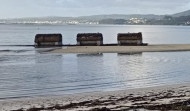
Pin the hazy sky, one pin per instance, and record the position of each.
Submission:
(35, 8)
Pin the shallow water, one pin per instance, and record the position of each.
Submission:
(26, 72)
(24, 34)
(55, 74)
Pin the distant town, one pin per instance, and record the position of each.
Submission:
(182, 18)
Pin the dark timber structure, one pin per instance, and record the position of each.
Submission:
(130, 39)
(89, 39)
(48, 40)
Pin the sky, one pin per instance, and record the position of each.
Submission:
(74, 8)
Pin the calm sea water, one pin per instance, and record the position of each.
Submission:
(25, 72)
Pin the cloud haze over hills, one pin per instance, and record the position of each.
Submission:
(39, 8)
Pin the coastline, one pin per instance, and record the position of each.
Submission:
(171, 97)
(122, 49)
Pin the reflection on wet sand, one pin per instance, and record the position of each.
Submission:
(90, 55)
(132, 53)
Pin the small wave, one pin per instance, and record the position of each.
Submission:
(5, 50)
(14, 51)
(3, 59)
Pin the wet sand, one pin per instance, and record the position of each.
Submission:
(173, 97)
(123, 49)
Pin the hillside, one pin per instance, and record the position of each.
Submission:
(182, 18)
(185, 13)
(121, 16)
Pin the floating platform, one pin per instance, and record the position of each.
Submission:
(42, 40)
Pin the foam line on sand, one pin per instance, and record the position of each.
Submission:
(171, 97)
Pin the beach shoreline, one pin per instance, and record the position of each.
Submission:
(170, 97)
(122, 49)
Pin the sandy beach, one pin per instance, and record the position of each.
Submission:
(161, 98)
(123, 49)
(171, 97)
